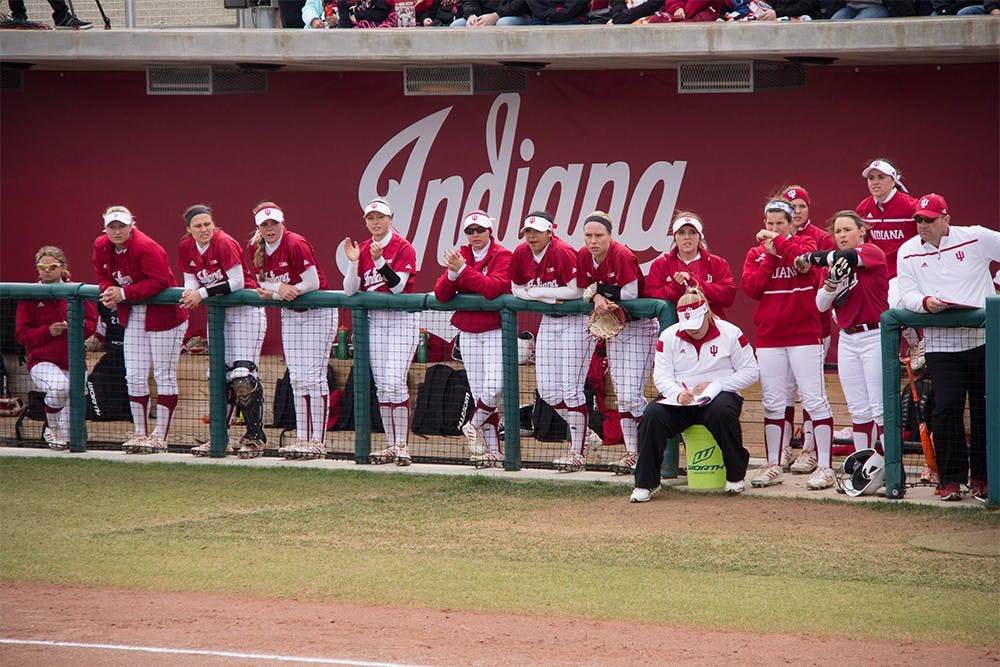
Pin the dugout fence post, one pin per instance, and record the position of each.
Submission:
(993, 398)
(511, 390)
(362, 407)
(77, 373)
(218, 405)
(895, 476)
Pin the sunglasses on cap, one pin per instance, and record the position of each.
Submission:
(49, 267)
(475, 230)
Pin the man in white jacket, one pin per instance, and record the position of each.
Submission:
(701, 365)
(947, 267)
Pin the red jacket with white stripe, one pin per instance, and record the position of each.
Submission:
(489, 277)
(889, 224)
(33, 319)
(786, 314)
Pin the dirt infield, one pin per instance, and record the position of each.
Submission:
(277, 630)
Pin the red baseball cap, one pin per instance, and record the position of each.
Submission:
(931, 206)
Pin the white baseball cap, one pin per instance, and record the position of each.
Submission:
(690, 316)
(118, 216)
(477, 218)
(538, 223)
(268, 213)
(687, 220)
(380, 205)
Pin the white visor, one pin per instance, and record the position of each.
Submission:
(887, 169)
(117, 216)
(268, 213)
(691, 316)
(379, 206)
(477, 218)
(538, 223)
(687, 220)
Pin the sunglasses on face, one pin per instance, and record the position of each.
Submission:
(475, 230)
(49, 267)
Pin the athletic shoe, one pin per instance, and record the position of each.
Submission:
(928, 476)
(786, 458)
(805, 463)
(70, 22)
(54, 439)
(294, 450)
(768, 475)
(572, 462)
(643, 495)
(152, 445)
(979, 489)
(387, 455)
(477, 446)
(625, 465)
(131, 446)
(951, 492)
(593, 440)
(822, 478)
(403, 456)
(21, 23)
(250, 449)
(735, 488)
(487, 460)
(314, 449)
(204, 449)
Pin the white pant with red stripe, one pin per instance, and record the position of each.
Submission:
(54, 381)
(159, 350)
(307, 338)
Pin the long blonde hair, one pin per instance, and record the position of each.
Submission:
(258, 240)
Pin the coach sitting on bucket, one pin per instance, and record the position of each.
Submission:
(701, 365)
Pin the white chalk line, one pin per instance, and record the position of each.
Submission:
(218, 654)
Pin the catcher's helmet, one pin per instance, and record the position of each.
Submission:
(863, 473)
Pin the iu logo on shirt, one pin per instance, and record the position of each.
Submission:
(713, 350)
(960, 255)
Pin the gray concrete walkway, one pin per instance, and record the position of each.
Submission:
(794, 486)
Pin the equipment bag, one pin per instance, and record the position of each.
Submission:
(444, 402)
(546, 424)
(107, 393)
(284, 403)
(346, 420)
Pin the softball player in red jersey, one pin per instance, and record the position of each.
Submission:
(687, 263)
(543, 268)
(481, 267)
(130, 266)
(609, 272)
(788, 337)
(799, 199)
(287, 268)
(888, 214)
(211, 262)
(387, 263)
(857, 289)
(41, 328)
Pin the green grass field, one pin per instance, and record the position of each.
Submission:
(748, 563)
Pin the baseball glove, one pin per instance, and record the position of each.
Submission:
(608, 325)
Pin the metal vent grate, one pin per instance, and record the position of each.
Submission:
(462, 80)
(204, 80)
(11, 79)
(738, 76)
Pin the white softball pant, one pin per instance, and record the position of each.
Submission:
(859, 360)
(563, 348)
(630, 360)
(160, 350)
(307, 338)
(392, 342)
(54, 381)
(244, 332)
(806, 364)
(483, 359)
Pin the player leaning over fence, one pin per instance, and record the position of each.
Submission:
(387, 263)
(287, 268)
(480, 267)
(609, 272)
(945, 267)
(41, 329)
(211, 263)
(132, 267)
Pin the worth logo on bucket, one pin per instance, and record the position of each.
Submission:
(703, 455)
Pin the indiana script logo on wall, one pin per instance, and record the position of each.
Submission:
(642, 197)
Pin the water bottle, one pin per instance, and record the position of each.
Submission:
(422, 347)
(342, 342)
